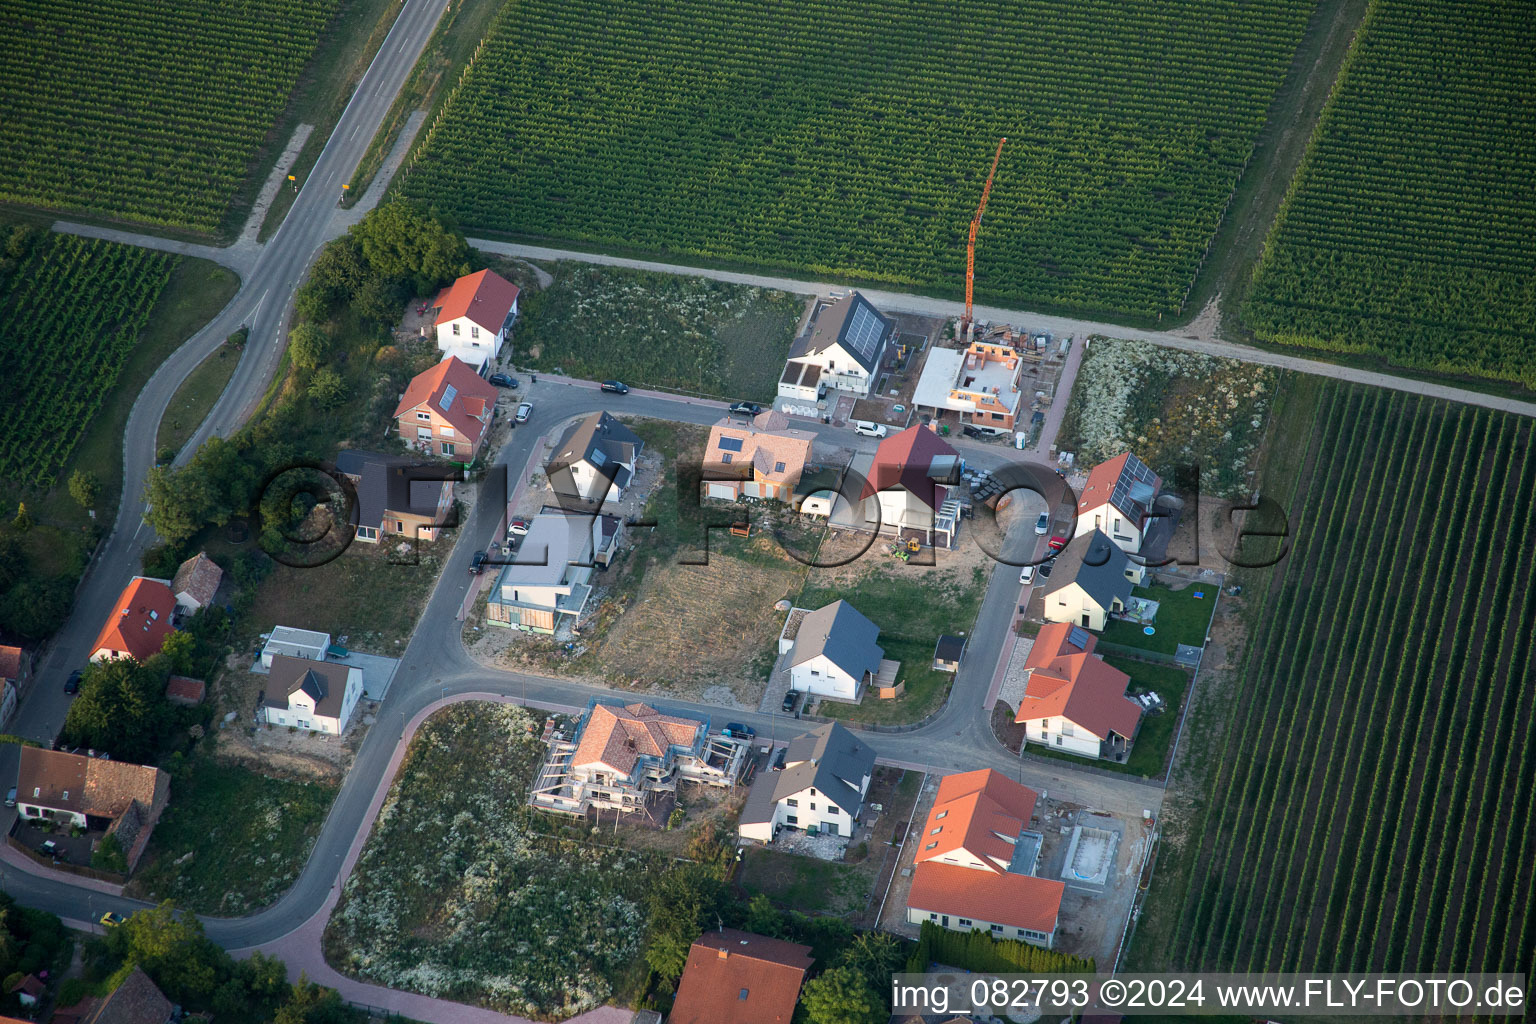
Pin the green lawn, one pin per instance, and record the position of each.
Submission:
(808, 884)
(231, 840)
(1182, 618)
(1151, 748)
(194, 399)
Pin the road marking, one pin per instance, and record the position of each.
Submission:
(255, 312)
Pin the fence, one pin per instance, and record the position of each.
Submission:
(56, 865)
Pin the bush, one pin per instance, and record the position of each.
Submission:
(109, 856)
(978, 951)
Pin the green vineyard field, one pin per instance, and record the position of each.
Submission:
(69, 317)
(144, 110)
(852, 138)
(1371, 807)
(1408, 232)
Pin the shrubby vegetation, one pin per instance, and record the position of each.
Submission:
(978, 951)
(141, 109)
(1407, 232)
(852, 138)
(30, 941)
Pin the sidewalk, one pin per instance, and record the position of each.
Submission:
(1063, 395)
(21, 862)
(302, 950)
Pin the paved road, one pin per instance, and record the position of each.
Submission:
(262, 302)
(902, 302)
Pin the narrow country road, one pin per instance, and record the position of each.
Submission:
(902, 302)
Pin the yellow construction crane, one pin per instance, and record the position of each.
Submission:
(970, 248)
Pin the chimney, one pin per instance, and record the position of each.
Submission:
(725, 954)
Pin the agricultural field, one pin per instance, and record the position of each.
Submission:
(461, 894)
(771, 134)
(71, 311)
(145, 111)
(1407, 234)
(1367, 806)
(1171, 408)
(649, 329)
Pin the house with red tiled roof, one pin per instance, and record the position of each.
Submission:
(123, 799)
(1117, 500)
(139, 623)
(136, 1001)
(28, 990)
(735, 977)
(976, 861)
(446, 411)
(912, 489)
(195, 582)
(473, 316)
(623, 757)
(1073, 701)
(761, 458)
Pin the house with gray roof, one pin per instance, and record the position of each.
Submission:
(821, 787)
(842, 350)
(834, 653)
(1093, 577)
(396, 496)
(594, 462)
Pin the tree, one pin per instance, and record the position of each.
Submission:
(379, 302)
(109, 856)
(326, 388)
(121, 708)
(311, 1004)
(405, 242)
(173, 950)
(179, 500)
(33, 609)
(682, 902)
(309, 346)
(842, 996)
(875, 955)
(23, 520)
(763, 918)
(84, 488)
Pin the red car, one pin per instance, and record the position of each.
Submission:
(1057, 543)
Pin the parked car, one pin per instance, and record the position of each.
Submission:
(10, 797)
(72, 684)
(970, 431)
(616, 387)
(1057, 543)
(1043, 524)
(869, 429)
(518, 527)
(1027, 575)
(776, 762)
(111, 920)
(524, 411)
(739, 731)
(477, 563)
(791, 700)
(747, 408)
(501, 380)
(1045, 568)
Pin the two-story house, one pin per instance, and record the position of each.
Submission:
(1093, 579)
(1073, 700)
(842, 351)
(447, 411)
(761, 458)
(15, 670)
(544, 584)
(1117, 500)
(139, 623)
(832, 651)
(912, 490)
(980, 382)
(473, 317)
(976, 861)
(594, 462)
(821, 788)
(315, 695)
(395, 496)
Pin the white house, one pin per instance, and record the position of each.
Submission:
(594, 462)
(834, 652)
(976, 860)
(195, 583)
(1073, 700)
(822, 786)
(311, 695)
(474, 316)
(1093, 578)
(1118, 501)
(294, 643)
(842, 351)
(913, 489)
(544, 585)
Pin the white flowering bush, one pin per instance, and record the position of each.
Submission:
(460, 894)
(1170, 408)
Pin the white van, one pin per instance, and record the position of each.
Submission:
(869, 429)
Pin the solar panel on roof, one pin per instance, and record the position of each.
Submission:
(598, 458)
(730, 444)
(1077, 636)
(865, 330)
(449, 394)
